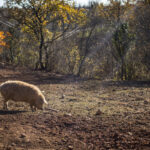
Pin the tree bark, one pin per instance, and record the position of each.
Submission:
(39, 64)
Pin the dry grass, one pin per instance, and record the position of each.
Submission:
(77, 99)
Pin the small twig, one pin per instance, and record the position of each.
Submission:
(52, 109)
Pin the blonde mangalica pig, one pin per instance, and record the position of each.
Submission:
(23, 92)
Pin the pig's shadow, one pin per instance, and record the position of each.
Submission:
(7, 112)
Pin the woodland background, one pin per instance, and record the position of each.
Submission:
(95, 41)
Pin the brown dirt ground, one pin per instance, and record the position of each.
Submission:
(92, 115)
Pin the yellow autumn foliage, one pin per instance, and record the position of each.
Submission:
(46, 12)
(2, 37)
(2, 42)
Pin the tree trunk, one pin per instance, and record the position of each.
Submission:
(39, 64)
(11, 55)
(46, 57)
(80, 67)
(86, 48)
(122, 68)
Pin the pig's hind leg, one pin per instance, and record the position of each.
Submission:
(5, 106)
(33, 108)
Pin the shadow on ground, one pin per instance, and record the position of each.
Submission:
(42, 77)
(136, 84)
(8, 112)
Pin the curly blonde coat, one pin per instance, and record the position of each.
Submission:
(23, 92)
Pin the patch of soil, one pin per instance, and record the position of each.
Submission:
(49, 130)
